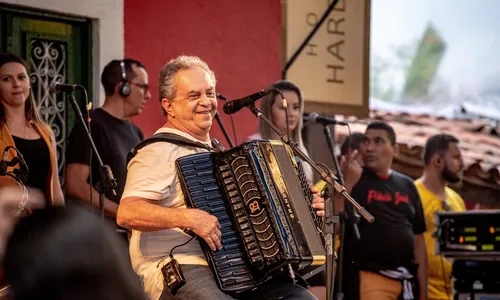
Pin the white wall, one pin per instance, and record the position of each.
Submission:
(107, 35)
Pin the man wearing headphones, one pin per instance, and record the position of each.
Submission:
(125, 83)
(443, 164)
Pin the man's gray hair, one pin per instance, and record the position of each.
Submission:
(166, 82)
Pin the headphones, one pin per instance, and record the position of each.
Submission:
(125, 89)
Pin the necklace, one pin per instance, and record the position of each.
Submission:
(25, 135)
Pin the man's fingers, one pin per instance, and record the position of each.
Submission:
(342, 160)
(216, 241)
(210, 243)
(218, 233)
(353, 155)
(318, 200)
(314, 190)
(319, 205)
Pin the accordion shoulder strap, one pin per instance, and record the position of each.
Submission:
(173, 139)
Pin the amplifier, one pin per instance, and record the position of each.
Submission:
(470, 233)
(476, 279)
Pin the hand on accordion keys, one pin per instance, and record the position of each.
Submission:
(318, 202)
(205, 226)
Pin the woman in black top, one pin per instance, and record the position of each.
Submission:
(21, 127)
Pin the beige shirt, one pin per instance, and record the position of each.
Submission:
(152, 175)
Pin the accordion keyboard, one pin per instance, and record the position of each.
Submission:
(230, 265)
(262, 200)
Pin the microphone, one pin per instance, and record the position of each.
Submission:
(234, 106)
(314, 117)
(56, 87)
(221, 97)
(4, 162)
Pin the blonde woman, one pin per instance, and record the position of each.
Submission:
(272, 108)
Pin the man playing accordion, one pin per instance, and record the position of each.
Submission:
(153, 204)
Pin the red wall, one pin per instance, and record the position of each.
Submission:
(240, 40)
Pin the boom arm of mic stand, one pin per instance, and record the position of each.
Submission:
(108, 182)
(330, 179)
(221, 125)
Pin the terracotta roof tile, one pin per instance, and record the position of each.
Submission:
(480, 148)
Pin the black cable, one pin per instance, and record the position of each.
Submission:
(340, 262)
(437, 235)
(444, 278)
(285, 107)
(326, 193)
(334, 237)
(234, 130)
(446, 207)
(349, 145)
(171, 253)
(223, 98)
(87, 108)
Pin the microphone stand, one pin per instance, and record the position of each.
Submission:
(107, 182)
(346, 216)
(221, 125)
(329, 213)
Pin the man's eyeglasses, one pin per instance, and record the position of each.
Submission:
(143, 86)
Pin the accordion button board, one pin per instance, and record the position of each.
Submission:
(262, 200)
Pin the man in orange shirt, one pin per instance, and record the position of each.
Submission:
(443, 164)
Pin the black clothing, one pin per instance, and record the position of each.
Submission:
(113, 139)
(37, 157)
(390, 240)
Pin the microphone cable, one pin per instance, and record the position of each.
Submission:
(223, 98)
(88, 107)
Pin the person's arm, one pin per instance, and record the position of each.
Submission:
(351, 170)
(139, 214)
(56, 184)
(151, 180)
(78, 169)
(78, 188)
(423, 267)
(11, 196)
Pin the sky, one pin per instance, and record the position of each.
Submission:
(471, 30)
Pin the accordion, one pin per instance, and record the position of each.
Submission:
(260, 195)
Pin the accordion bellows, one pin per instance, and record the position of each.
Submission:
(260, 195)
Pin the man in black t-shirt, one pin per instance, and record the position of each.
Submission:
(125, 83)
(390, 259)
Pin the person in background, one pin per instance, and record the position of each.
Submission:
(350, 144)
(10, 196)
(126, 86)
(68, 253)
(272, 108)
(443, 164)
(390, 258)
(21, 127)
